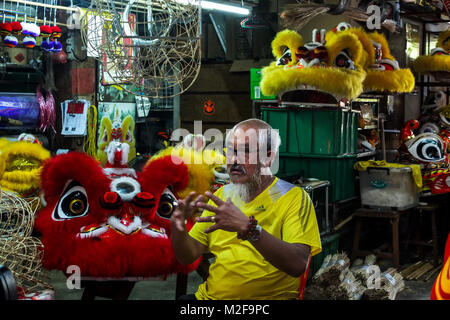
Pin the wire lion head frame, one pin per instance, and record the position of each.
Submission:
(152, 45)
(19, 251)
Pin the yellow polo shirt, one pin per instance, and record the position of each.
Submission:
(239, 271)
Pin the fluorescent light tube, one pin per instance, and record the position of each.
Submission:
(211, 5)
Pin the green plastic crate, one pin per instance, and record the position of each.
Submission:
(314, 131)
(330, 245)
(338, 170)
(255, 88)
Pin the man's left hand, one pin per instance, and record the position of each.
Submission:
(227, 216)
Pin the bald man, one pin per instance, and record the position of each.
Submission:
(262, 230)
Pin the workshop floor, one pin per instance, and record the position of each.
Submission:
(143, 290)
(165, 290)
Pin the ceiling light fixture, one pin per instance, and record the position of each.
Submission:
(219, 6)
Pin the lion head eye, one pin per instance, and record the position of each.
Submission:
(428, 149)
(167, 204)
(286, 58)
(73, 203)
(343, 60)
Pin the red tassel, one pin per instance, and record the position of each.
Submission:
(16, 27)
(5, 28)
(46, 31)
(56, 32)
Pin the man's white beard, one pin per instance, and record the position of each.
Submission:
(244, 190)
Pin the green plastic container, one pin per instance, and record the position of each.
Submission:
(338, 170)
(314, 131)
(330, 245)
(255, 88)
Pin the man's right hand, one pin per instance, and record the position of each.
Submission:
(185, 209)
(186, 249)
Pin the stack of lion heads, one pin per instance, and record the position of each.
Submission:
(339, 64)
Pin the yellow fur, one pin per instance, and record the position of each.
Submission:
(105, 137)
(21, 181)
(346, 83)
(331, 79)
(200, 166)
(128, 126)
(381, 39)
(346, 41)
(427, 64)
(105, 129)
(3, 143)
(368, 55)
(393, 81)
(286, 38)
(442, 40)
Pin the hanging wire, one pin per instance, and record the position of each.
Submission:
(45, 17)
(4, 11)
(36, 14)
(54, 14)
(17, 11)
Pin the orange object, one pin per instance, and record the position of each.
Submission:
(441, 286)
(303, 279)
(209, 108)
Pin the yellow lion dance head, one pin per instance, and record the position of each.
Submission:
(383, 73)
(20, 166)
(326, 73)
(117, 130)
(206, 167)
(437, 63)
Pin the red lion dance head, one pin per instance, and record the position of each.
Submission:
(110, 222)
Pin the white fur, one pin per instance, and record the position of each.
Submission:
(115, 223)
(128, 180)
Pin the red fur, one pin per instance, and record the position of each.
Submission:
(5, 28)
(16, 26)
(167, 171)
(45, 31)
(56, 31)
(111, 254)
